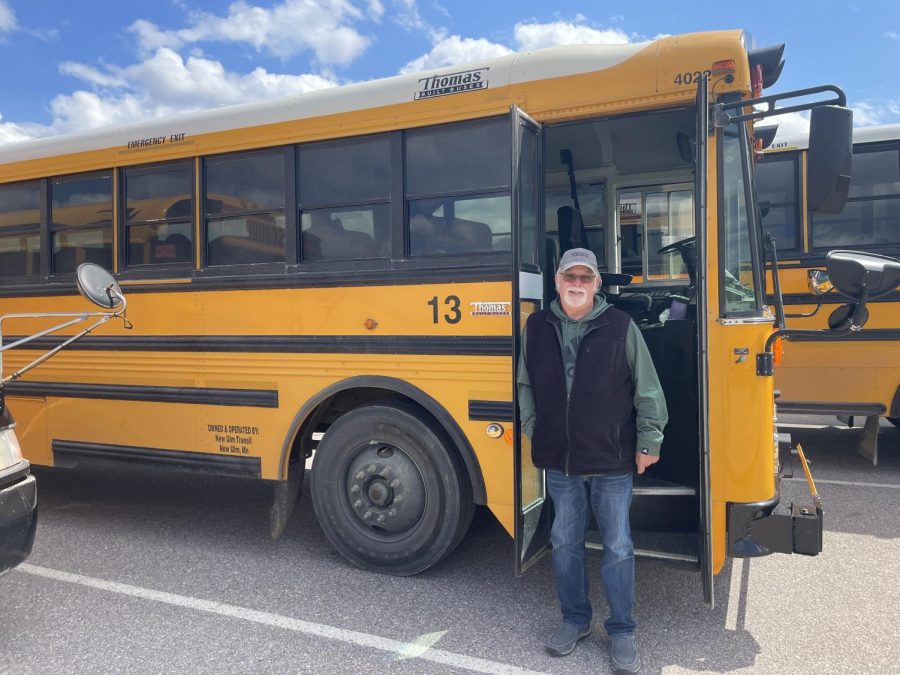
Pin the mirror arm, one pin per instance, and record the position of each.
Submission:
(808, 314)
(776, 282)
(722, 119)
(38, 361)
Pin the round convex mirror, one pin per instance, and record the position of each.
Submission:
(95, 283)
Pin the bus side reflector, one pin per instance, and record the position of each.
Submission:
(778, 351)
(508, 436)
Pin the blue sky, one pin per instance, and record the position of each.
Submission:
(69, 66)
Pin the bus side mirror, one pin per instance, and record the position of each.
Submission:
(818, 282)
(98, 286)
(862, 276)
(830, 158)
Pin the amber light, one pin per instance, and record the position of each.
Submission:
(777, 351)
(722, 67)
(508, 436)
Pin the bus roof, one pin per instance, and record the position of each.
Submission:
(662, 60)
(874, 134)
(505, 70)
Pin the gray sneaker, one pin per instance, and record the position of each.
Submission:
(566, 638)
(623, 655)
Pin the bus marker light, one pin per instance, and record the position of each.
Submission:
(778, 351)
(508, 436)
(494, 430)
(722, 67)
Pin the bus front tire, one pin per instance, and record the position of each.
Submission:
(388, 492)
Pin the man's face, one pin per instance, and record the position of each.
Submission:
(576, 287)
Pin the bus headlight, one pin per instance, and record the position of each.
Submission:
(10, 452)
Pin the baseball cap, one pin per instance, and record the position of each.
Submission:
(578, 256)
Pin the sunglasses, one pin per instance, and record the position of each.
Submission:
(585, 279)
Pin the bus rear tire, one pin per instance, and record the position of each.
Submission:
(388, 493)
(895, 421)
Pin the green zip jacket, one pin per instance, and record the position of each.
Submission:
(649, 402)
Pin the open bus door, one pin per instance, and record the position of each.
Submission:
(532, 534)
(701, 174)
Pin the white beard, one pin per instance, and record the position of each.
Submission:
(576, 299)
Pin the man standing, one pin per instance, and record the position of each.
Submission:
(591, 402)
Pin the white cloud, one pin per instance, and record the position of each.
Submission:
(284, 30)
(866, 114)
(162, 85)
(376, 10)
(8, 21)
(10, 132)
(408, 16)
(537, 35)
(453, 50)
(892, 35)
(89, 74)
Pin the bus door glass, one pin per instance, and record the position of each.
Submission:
(531, 505)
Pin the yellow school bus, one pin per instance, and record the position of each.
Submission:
(861, 378)
(339, 279)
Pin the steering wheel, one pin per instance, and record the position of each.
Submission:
(678, 246)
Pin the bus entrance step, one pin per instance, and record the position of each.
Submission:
(677, 546)
(654, 486)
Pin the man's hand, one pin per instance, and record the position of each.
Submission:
(643, 461)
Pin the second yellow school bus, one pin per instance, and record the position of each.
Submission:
(861, 378)
(342, 276)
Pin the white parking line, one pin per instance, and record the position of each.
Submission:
(420, 649)
(851, 483)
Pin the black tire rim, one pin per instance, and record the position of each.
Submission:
(383, 490)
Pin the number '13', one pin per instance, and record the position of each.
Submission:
(453, 314)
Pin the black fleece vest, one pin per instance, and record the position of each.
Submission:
(591, 431)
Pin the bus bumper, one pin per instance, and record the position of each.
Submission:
(18, 521)
(768, 527)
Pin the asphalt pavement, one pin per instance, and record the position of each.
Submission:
(137, 571)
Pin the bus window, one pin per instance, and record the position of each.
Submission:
(81, 221)
(159, 221)
(463, 172)
(739, 288)
(592, 200)
(345, 190)
(670, 218)
(777, 182)
(245, 201)
(873, 206)
(20, 229)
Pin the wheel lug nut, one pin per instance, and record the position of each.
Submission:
(354, 489)
(380, 519)
(395, 483)
(398, 499)
(371, 468)
(357, 504)
(392, 513)
(367, 515)
(359, 475)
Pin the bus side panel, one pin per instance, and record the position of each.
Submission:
(31, 428)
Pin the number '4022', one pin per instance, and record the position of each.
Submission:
(690, 77)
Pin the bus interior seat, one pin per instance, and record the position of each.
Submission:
(16, 263)
(636, 305)
(174, 248)
(468, 236)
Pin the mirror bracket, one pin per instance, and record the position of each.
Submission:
(722, 118)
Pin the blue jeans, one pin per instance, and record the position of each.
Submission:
(610, 498)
